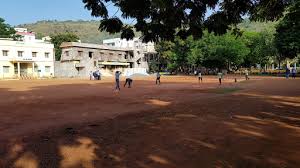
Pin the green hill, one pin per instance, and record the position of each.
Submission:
(247, 25)
(89, 33)
(86, 30)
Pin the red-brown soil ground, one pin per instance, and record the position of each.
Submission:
(180, 124)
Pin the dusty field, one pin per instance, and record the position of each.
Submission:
(179, 124)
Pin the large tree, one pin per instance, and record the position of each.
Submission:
(58, 39)
(224, 51)
(165, 19)
(287, 37)
(6, 31)
(262, 48)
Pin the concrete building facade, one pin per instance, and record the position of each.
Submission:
(143, 52)
(26, 58)
(79, 59)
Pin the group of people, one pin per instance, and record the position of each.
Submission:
(288, 72)
(95, 75)
(220, 76)
(129, 80)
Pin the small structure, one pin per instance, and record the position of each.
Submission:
(27, 57)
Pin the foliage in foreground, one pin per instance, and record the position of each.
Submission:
(166, 19)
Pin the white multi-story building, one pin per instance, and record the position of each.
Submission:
(143, 52)
(28, 57)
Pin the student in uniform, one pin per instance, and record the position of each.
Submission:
(294, 71)
(247, 74)
(91, 75)
(129, 81)
(220, 76)
(117, 78)
(200, 77)
(158, 78)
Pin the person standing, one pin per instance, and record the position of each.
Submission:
(294, 72)
(158, 78)
(117, 78)
(98, 75)
(220, 76)
(199, 77)
(91, 75)
(247, 74)
(287, 73)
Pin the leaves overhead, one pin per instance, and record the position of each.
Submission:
(165, 19)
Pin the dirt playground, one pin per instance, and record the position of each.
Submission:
(181, 123)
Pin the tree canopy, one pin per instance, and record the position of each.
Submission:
(58, 39)
(211, 51)
(165, 19)
(6, 31)
(287, 37)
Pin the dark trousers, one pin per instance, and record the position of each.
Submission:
(200, 79)
(158, 80)
(129, 81)
(220, 81)
(118, 84)
(294, 75)
(247, 77)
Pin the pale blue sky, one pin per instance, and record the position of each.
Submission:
(17, 12)
(28, 11)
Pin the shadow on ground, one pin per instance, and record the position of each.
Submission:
(242, 129)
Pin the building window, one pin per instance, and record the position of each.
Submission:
(95, 63)
(80, 53)
(47, 55)
(6, 69)
(5, 53)
(90, 55)
(36, 68)
(34, 54)
(111, 54)
(47, 69)
(144, 59)
(20, 53)
(67, 53)
(126, 56)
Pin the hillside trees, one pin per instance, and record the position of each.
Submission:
(211, 51)
(262, 48)
(58, 39)
(6, 31)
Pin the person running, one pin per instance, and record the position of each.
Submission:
(129, 81)
(294, 71)
(117, 77)
(199, 77)
(247, 74)
(220, 76)
(158, 78)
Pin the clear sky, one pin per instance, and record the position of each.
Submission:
(28, 11)
(17, 12)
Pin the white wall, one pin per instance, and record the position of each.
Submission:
(27, 47)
